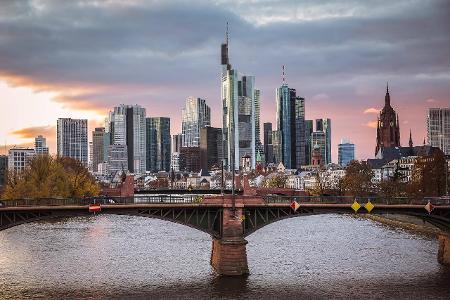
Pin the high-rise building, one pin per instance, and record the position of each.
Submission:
(318, 142)
(177, 140)
(195, 115)
(158, 144)
(40, 145)
(388, 126)
(438, 128)
(3, 170)
(210, 148)
(346, 152)
(100, 144)
(325, 126)
(72, 139)
(126, 126)
(308, 146)
(19, 158)
(239, 113)
(268, 146)
(190, 159)
(117, 158)
(291, 124)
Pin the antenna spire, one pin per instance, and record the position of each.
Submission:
(283, 76)
(227, 34)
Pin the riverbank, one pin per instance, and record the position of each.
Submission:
(408, 223)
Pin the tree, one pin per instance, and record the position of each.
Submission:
(275, 180)
(358, 179)
(428, 176)
(48, 177)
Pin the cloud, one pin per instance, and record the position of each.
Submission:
(32, 132)
(372, 110)
(371, 124)
(431, 100)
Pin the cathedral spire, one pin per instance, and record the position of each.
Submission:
(410, 139)
(387, 98)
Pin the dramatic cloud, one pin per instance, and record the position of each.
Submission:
(338, 55)
(372, 124)
(32, 132)
(372, 111)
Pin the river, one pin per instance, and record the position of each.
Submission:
(314, 257)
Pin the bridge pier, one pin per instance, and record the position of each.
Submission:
(444, 250)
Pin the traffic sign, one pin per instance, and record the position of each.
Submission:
(295, 205)
(429, 207)
(355, 206)
(369, 206)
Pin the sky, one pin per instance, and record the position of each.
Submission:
(81, 58)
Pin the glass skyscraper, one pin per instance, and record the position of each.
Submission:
(438, 128)
(291, 124)
(318, 141)
(308, 146)
(239, 102)
(325, 126)
(158, 144)
(126, 126)
(195, 115)
(346, 152)
(72, 139)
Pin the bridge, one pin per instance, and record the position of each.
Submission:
(227, 219)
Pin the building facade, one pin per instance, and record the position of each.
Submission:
(72, 139)
(100, 144)
(177, 140)
(3, 170)
(239, 113)
(346, 152)
(308, 146)
(195, 115)
(19, 158)
(158, 144)
(211, 156)
(268, 146)
(291, 124)
(126, 126)
(117, 159)
(438, 128)
(40, 145)
(318, 141)
(388, 126)
(190, 159)
(325, 126)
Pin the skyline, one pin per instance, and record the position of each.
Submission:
(330, 60)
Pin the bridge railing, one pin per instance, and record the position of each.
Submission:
(151, 199)
(350, 199)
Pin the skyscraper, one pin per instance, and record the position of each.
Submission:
(388, 126)
(239, 113)
(126, 126)
(277, 142)
(346, 152)
(100, 144)
(117, 158)
(158, 144)
(291, 124)
(210, 148)
(438, 128)
(72, 139)
(40, 145)
(195, 115)
(268, 146)
(325, 126)
(177, 140)
(308, 146)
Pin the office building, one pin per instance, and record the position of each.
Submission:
(239, 113)
(195, 115)
(100, 144)
(291, 124)
(346, 152)
(268, 146)
(210, 148)
(19, 158)
(308, 146)
(190, 159)
(117, 159)
(325, 126)
(126, 126)
(277, 142)
(40, 145)
(3, 170)
(72, 139)
(438, 128)
(158, 144)
(177, 140)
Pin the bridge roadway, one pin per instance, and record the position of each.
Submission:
(228, 223)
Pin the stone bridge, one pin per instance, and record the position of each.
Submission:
(227, 219)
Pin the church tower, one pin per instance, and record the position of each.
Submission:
(388, 127)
